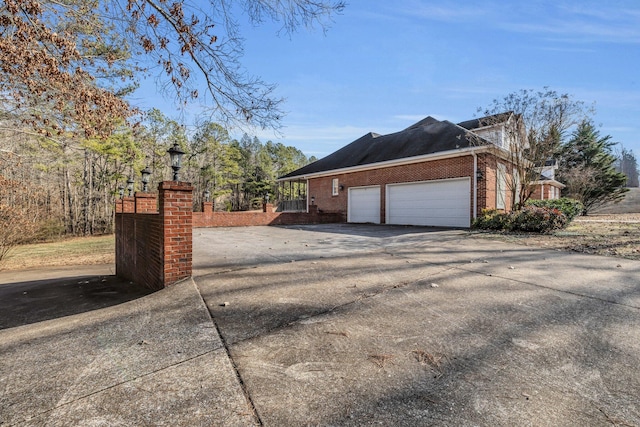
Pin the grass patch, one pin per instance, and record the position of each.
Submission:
(73, 251)
(611, 235)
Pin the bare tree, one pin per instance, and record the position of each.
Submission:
(530, 133)
(65, 65)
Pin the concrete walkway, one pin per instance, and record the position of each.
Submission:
(344, 325)
(153, 361)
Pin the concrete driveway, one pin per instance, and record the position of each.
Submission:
(374, 325)
(344, 325)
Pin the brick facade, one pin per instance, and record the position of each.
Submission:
(487, 187)
(546, 191)
(321, 188)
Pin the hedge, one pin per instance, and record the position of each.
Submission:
(570, 207)
(529, 218)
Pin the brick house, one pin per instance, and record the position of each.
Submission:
(434, 173)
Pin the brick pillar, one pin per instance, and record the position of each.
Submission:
(207, 207)
(267, 207)
(128, 204)
(118, 205)
(145, 202)
(176, 199)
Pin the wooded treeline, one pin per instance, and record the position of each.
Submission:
(68, 185)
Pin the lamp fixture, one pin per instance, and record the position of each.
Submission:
(146, 173)
(130, 183)
(175, 153)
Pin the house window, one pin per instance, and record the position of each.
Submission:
(501, 186)
(334, 187)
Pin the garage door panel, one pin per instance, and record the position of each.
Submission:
(437, 203)
(364, 205)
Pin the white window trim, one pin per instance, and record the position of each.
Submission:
(335, 187)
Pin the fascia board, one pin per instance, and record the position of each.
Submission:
(389, 163)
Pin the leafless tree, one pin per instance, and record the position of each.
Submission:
(530, 133)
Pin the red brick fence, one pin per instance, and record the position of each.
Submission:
(209, 218)
(154, 232)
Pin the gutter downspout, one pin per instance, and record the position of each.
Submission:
(475, 185)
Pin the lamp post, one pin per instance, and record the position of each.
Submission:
(176, 159)
(121, 190)
(207, 195)
(130, 183)
(146, 173)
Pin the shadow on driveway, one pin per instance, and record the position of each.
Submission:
(368, 230)
(29, 302)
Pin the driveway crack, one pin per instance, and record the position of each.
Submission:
(243, 385)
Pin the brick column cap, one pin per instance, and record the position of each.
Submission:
(175, 186)
(141, 195)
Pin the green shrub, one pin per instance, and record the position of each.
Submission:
(569, 207)
(528, 219)
(538, 219)
(492, 219)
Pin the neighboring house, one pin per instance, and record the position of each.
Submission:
(433, 173)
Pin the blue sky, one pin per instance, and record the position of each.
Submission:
(384, 65)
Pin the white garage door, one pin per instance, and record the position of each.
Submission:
(442, 203)
(364, 204)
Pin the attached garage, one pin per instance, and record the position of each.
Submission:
(364, 205)
(441, 203)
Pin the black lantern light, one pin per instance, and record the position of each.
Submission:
(121, 190)
(130, 183)
(176, 159)
(146, 174)
(207, 195)
(313, 200)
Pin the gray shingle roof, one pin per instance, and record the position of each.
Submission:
(428, 136)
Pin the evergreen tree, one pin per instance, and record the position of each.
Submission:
(628, 165)
(587, 168)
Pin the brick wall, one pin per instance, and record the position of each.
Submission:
(320, 188)
(208, 218)
(544, 191)
(154, 248)
(139, 249)
(146, 202)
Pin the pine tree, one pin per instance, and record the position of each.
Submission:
(628, 165)
(587, 168)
